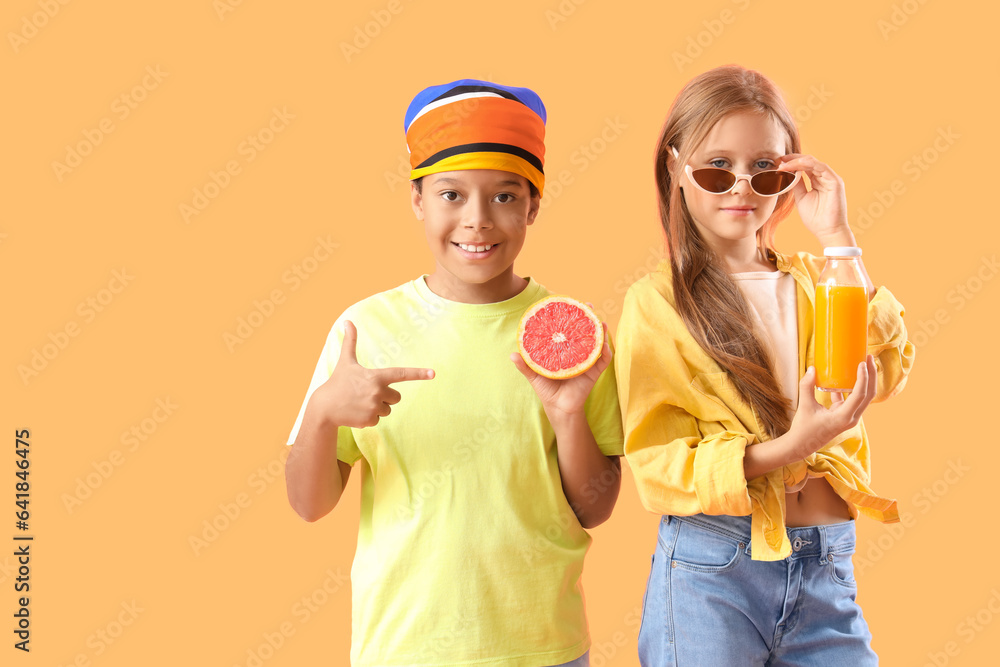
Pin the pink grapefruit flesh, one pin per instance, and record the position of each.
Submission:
(560, 337)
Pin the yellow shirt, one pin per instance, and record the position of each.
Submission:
(468, 551)
(686, 428)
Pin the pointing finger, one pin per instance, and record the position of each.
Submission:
(401, 374)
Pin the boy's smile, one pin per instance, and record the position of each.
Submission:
(477, 251)
(475, 221)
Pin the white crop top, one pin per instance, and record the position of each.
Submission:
(772, 299)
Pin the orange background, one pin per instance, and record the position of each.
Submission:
(120, 562)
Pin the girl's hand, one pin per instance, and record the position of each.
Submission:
(814, 425)
(823, 209)
(562, 398)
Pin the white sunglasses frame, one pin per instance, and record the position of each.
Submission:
(688, 169)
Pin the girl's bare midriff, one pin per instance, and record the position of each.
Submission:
(815, 504)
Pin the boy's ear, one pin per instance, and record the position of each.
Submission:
(533, 207)
(416, 201)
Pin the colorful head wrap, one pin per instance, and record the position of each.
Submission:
(472, 124)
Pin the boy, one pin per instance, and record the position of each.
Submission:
(476, 472)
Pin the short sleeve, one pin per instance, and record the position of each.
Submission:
(604, 414)
(347, 447)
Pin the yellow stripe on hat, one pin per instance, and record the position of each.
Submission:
(485, 160)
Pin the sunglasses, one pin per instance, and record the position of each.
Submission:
(717, 181)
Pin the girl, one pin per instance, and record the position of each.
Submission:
(758, 479)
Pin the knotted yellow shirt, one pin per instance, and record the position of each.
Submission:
(686, 427)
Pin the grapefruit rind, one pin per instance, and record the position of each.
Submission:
(571, 371)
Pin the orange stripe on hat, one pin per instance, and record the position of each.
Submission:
(476, 120)
(472, 124)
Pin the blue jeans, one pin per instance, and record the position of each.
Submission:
(708, 603)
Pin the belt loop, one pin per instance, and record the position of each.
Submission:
(824, 550)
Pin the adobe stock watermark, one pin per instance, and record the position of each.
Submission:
(899, 16)
(454, 113)
(131, 440)
(248, 149)
(400, 175)
(423, 490)
(294, 277)
(7, 569)
(958, 297)
(924, 500)
(121, 108)
(582, 158)
(231, 510)
(711, 30)
(561, 12)
(302, 611)
(611, 306)
(817, 98)
(603, 651)
(446, 632)
(537, 549)
(224, 7)
(104, 637)
(32, 23)
(973, 625)
(914, 168)
(57, 341)
(366, 33)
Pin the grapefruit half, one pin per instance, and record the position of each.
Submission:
(560, 337)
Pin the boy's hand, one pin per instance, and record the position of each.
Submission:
(357, 396)
(565, 397)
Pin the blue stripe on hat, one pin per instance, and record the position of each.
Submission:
(525, 96)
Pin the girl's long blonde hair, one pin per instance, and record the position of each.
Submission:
(707, 298)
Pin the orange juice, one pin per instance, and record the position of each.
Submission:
(841, 335)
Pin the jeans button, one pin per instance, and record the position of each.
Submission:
(798, 543)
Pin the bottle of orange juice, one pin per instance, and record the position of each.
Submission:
(841, 319)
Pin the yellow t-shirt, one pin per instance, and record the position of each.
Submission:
(468, 551)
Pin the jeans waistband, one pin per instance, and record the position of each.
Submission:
(807, 541)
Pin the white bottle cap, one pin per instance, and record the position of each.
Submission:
(842, 251)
